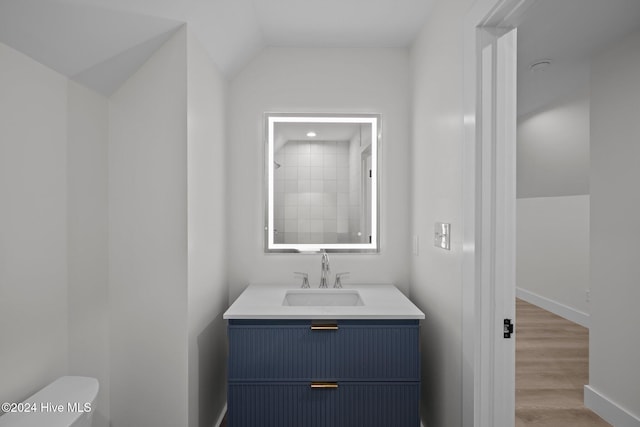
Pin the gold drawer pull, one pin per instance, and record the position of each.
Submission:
(324, 327)
(323, 385)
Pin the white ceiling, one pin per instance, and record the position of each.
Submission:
(324, 131)
(101, 42)
(569, 33)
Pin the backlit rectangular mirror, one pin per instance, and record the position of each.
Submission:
(321, 182)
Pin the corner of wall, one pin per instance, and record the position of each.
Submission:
(87, 223)
(206, 286)
(148, 241)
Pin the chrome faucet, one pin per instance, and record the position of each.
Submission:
(325, 270)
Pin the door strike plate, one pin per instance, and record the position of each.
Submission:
(508, 328)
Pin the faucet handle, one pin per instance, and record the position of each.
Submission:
(339, 276)
(305, 279)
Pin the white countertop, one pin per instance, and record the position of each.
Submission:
(380, 301)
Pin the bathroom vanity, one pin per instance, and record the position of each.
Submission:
(323, 357)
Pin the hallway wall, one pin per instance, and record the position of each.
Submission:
(552, 254)
(615, 230)
(552, 235)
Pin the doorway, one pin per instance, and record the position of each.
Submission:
(489, 224)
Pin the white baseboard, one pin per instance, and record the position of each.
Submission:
(221, 416)
(609, 410)
(564, 311)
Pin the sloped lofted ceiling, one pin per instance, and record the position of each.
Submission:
(568, 33)
(100, 43)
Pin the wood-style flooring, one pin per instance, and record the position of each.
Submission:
(552, 367)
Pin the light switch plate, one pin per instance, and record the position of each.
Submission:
(442, 235)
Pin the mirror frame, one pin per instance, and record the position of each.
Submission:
(270, 119)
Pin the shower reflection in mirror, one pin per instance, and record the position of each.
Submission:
(322, 182)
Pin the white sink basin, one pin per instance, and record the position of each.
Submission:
(322, 297)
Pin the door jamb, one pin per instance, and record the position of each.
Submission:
(486, 18)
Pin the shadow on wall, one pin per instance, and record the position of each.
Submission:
(430, 368)
(212, 360)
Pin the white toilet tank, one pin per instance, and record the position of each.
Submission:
(66, 402)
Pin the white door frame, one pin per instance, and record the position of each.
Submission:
(488, 372)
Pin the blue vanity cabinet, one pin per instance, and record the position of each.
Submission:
(303, 373)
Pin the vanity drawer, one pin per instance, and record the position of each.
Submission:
(292, 350)
(351, 404)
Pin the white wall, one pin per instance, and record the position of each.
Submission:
(148, 242)
(436, 281)
(87, 221)
(553, 205)
(553, 149)
(33, 225)
(317, 80)
(552, 254)
(615, 228)
(137, 180)
(207, 286)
